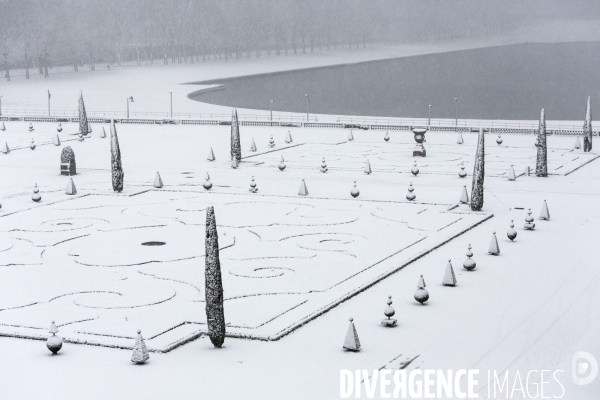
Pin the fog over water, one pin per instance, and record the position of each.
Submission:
(508, 82)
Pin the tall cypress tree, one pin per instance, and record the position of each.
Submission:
(215, 316)
(84, 126)
(541, 165)
(587, 128)
(236, 148)
(115, 159)
(478, 174)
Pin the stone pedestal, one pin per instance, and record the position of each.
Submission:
(68, 168)
(419, 150)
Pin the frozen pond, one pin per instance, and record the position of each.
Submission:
(509, 82)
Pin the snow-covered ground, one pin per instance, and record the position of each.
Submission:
(292, 256)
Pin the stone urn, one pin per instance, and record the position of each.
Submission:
(419, 150)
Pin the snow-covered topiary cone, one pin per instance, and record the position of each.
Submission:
(2, 127)
(410, 196)
(512, 233)
(5, 149)
(368, 167)
(158, 183)
(36, 194)
(103, 133)
(511, 174)
(215, 314)
(354, 192)
(350, 136)
(494, 248)
(462, 173)
(415, 169)
(323, 168)
(351, 341)
(211, 155)
(577, 145)
(288, 137)
(389, 313)
(529, 225)
(459, 139)
(57, 140)
(469, 264)
(253, 145)
(253, 187)
(32, 144)
(421, 294)
(303, 191)
(140, 352)
(281, 165)
(207, 183)
(387, 137)
(54, 343)
(464, 197)
(71, 189)
(449, 277)
(544, 213)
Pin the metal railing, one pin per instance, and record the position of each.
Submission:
(157, 114)
(451, 123)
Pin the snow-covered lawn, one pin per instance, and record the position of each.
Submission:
(79, 259)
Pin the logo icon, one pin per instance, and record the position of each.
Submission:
(584, 368)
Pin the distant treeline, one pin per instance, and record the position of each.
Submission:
(40, 34)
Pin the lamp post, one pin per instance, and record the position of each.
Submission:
(429, 119)
(48, 102)
(0, 106)
(271, 110)
(306, 107)
(456, 115)
(171, 94)
(129, 99)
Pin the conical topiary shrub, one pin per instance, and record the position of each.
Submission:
(303, 191)
(211, 155)
(544, 213)
(449, 277)
(158, 183)
(115, 159)
(71, 189)
(587, 128)
(478, 174)
(140, 352)
(351, 341)
(541, 165)
(494, 248)
(215, 315)
(236, 148)
(84, 126)
(464, 197)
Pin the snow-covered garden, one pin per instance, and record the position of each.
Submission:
(315, 226)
